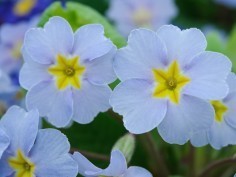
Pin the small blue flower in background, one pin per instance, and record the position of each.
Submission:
(11, 40)
(222, 132)
(33, 152)
(168, 76)
(12, 11)
(67, 74)
(118, 167)
(130, 14)
(228, 3)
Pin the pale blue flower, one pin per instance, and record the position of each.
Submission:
(131, 14)
(166, 79)
(229, 3)
(33, 152)
(222, 132)
(11, 37)
(117, 168)
(67, 74)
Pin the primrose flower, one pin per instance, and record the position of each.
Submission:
(67, 79)
(12, 11)
(117, 168)
(131, 14)
(166, 79)
(33, 152)
(12, 36)
(223, 130)
(229, 3)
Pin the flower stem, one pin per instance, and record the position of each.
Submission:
(159, 167)
(216, 165)
(191, 161)
(91, 155)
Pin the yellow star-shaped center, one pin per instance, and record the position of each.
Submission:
(220, 110)
(67, 72)
(22, 165)
(170, 82)
(23, 7)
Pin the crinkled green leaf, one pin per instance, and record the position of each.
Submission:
(78, 15)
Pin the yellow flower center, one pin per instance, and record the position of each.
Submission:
(22, 165)
(220, 109)
(142, 17)
(169, 83)
(16, 50)
(23, 7)
(67, 72)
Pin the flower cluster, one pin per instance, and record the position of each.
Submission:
(171, 81)
(168, 81)
(26, 151)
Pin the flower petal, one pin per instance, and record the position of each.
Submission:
(200, 139)
(133, 99)
(21, 127)
(182, 45)
(32, 72)
(4, 143)
(62, 110)
(90, 42)
(221, 135)
(56, 38)
(230, 101)
(144, 52)
(56, 105)
(190, 116)
(208, 72)
(50, 154)
(89, 101)
(231, 80)
(137, 172)
(85, 166)
(5, 169)
(100, 70)
(117, 167)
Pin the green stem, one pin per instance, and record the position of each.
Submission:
(158, 166)
(216, 165)
(191, 160)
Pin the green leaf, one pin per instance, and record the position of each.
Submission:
(78, 15)
(215, 42)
